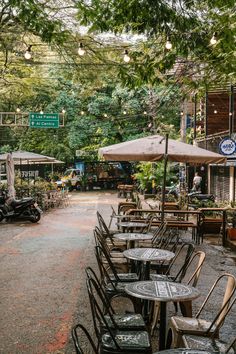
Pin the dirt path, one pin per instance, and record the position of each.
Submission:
(42, 276)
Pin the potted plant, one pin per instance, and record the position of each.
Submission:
(231, 221)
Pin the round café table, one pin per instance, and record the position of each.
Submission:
(162, 291)
(185, 351)
(131, 237)
(131, 225)
(148, 255)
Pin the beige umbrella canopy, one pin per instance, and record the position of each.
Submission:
(152, 148)
(25, 157)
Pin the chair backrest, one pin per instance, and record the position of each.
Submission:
(78, 347)
(159, 232)
(200, 257)
(225, 306)
(185, 252)
(106, 302)
(99, 319)
(113, 214)
(100, 253)
(103, 226)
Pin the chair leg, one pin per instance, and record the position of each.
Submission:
(186, 308)
(155, 316)
(173, 339)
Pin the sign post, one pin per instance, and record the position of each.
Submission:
(45, 120)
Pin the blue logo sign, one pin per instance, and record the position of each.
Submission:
(227, 146)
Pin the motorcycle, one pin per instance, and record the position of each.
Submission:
(25, 208)
(200, 196)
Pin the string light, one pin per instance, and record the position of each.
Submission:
(213, 40)
(145, 113)
(126, 56)
(63, 111)
(215, 111)
(105, 115)
(124, 112)
(181, 113)
(41, 112)
(18, 110)
(28, 54)
(230, 113)
(81, 50)
(168, 44)
(82, 113)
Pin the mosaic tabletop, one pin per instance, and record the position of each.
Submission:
(148, 254)
(132, 236)
(184, 351)
(162, 291)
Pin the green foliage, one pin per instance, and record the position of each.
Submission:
(150, 175)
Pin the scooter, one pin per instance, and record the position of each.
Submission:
(201, 197)
(25, 208)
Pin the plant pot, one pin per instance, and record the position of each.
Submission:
(231, 233)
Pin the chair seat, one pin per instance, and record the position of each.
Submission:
(127, 321)
(128, 341)
(125, 277)
(191, 325)
(204, 343)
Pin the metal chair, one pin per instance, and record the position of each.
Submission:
(188, 325)
(113, 282)
(210, 344)
(78, 347)
(114, 320)
(115, 253)
(117, 341)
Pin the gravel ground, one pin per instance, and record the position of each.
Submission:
(36, 317)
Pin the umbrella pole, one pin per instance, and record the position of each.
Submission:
(164, 179)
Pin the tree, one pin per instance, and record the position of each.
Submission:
(189, 25)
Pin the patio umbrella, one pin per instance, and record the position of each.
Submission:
(155, 148)
(10, 176)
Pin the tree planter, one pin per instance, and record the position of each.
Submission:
(231, 233)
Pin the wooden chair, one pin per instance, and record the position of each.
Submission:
(180, 326)
(210, 344)
(77, 343)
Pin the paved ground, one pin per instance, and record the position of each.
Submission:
(42, 276)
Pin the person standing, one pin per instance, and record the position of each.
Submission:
(197, 180)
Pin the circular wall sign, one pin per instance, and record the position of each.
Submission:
(227, 146)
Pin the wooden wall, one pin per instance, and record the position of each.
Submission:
(218, 122)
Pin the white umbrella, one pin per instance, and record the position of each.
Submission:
(10, 176)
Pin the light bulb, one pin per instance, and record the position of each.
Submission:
(230, 113)
(149, 125)
(124, 112)
(18, 110)
(145, 113)
(105, 115)
(126, 56)
(182, 113)
(41, 112)
(81, 50)
(213, 40)
(27, 55)
(168, 44)
(63, 111)
(215, 111)
(82, 113)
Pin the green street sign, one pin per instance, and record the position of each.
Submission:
(45, 120)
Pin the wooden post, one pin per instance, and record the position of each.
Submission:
(231, 111)
(195, 117)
